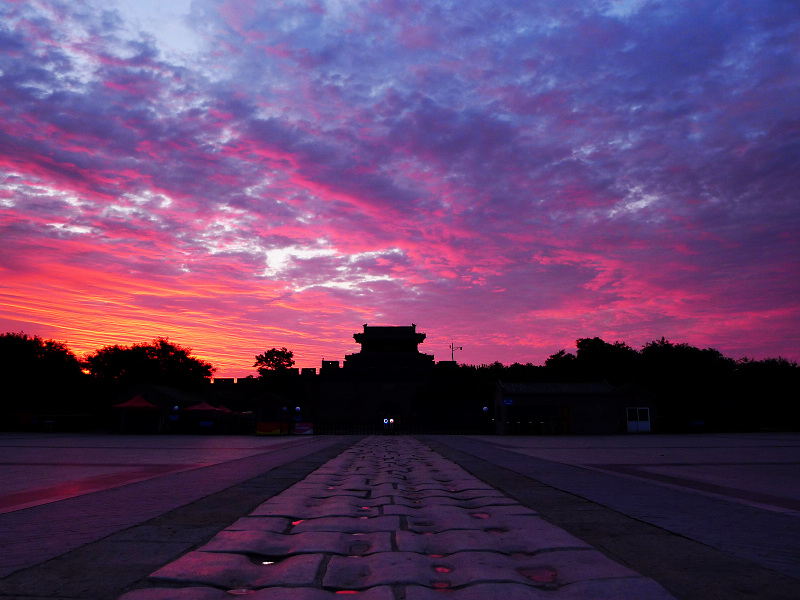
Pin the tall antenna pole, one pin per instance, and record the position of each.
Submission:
(453, 349)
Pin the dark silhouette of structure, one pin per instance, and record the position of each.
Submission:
(389, 386)
(386, 380)
(389, 350)
(544, 408)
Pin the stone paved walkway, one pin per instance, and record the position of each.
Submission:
(389, 519)
(30, 536)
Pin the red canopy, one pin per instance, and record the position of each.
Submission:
(137, 402)
(202, 406)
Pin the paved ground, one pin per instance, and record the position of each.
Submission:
(40, 469)
(691, 517)
(391, 519)
(66, 533)
(698, 538)
(761, 470)
(739, 493)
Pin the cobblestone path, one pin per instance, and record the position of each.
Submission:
(389, 519)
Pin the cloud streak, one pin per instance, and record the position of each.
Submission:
(243, 176)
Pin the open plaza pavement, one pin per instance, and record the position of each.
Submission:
(400, 517)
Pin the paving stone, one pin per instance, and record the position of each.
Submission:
(337, 473)
(494, 500)
(274, 524)
(549, 570)
(539, 535)
(276, 544)
(546, 569)
(273, 593)
(381, 478)
(334, 479)
(469, 520)
(371, 501)
(382, 489)
(332, 492)
(187, 593)
(236, 571)
(458, 486)
(486, 591)
(465, 495)
(444, 511)
(332, 508)
(390, 512)
(302, 490)
(386, 568)
(638, 588)
(293, 502)
(350, 483)
(349, 524)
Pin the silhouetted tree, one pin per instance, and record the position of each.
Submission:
(274, 360)
(23, 356)
(764, 394)
(37, 375)
(520, 372)
(693, 384)
(560, 366)
(598, 360)
(160, 362)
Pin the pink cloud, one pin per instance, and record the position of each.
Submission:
(515, 177)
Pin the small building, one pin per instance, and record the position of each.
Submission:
(540, 408)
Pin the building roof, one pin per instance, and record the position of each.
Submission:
(390, 330)
(383, 332)
(553, 388)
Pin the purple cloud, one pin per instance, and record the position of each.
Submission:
(516, 176)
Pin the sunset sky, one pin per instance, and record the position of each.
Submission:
(509, 175)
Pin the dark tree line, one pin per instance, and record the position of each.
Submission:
(696, 389)
(43, 379)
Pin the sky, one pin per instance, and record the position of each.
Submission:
(509, 176)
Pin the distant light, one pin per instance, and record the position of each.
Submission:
(391, 420)
(485, 409)
(297, 408)
(385, 421)
(174, 408)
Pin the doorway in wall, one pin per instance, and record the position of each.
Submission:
(638, 419)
